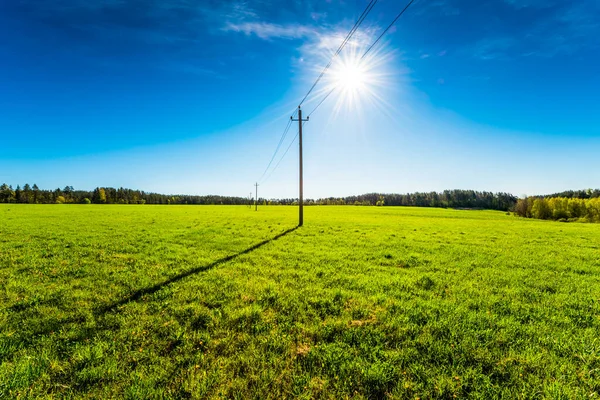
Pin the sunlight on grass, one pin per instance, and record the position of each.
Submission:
(365, 302)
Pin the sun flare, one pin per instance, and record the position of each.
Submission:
(350, 77)
(356, 80)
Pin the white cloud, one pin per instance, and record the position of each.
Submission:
(318, 16)
(519, 4)
(566, 30)
(267, 31)
(441, 7)
(493, 48)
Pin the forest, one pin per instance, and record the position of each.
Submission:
(108, 195)
(568, 205)
(104, 195)
(564, 209)
(447, 199)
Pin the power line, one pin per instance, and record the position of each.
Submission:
(357, 24)
(285, 131)
(366, 52)
(322, 101)
(283, 156)
(387, 29)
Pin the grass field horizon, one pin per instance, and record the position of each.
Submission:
(364, 302)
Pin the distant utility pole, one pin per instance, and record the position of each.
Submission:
(256, 198)
(301, 196)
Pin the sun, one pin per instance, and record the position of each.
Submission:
(355, 80)
(350, 77)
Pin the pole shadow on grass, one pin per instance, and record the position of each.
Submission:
(31, 335)
(152, 289)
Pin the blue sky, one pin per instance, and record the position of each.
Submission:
(187, 96)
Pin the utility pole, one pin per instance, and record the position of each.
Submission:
(301, 195)
(256, 198)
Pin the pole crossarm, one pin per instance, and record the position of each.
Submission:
(301, 195)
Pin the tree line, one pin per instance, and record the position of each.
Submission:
(104, 195)
(571, 205)
(108, 195)
(561, 208)
(576, 194)
(447, 199)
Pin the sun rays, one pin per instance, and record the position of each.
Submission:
(354, 82)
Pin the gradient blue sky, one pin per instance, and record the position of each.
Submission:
(183, 96)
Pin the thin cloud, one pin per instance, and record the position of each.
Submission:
(559, 30)
(268, 31)
(191, 69)
(493, 48)
(316, 16)
(441, 7)
(519, 4)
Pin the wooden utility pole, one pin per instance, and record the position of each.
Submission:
(256, 198)
(301, 195)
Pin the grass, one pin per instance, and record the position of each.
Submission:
(362, 302)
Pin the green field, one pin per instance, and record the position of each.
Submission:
(364, 302)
